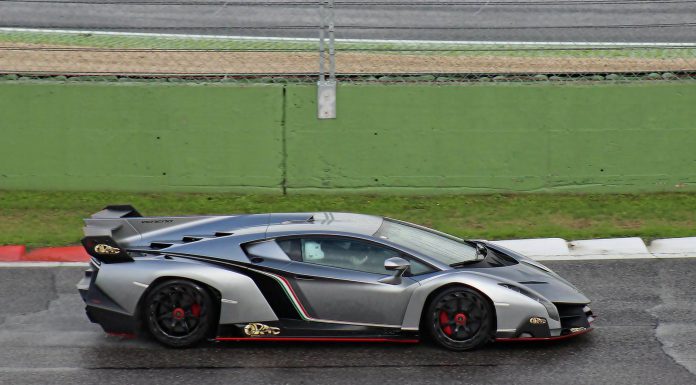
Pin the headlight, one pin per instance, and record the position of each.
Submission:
(550, 307)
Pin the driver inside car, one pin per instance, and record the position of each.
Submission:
(353, 252)
(312, 251)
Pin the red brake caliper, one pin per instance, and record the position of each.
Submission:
(196, 310)
(444, 323)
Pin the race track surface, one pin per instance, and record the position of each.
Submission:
(515, 20)
(645, 334)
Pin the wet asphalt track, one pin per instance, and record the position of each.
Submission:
(646, 334)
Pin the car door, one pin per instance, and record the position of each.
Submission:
(338, 279)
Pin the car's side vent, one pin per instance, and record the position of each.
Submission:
(160, 245)
(191, 238)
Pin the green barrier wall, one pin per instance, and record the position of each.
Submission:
(147, 137)
(387, 138)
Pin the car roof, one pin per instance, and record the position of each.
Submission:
(325, 222)
(195, 234)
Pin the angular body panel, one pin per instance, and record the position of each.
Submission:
(241, 300)
(352, 296)
(511, 308)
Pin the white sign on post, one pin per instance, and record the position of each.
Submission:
(326, 99)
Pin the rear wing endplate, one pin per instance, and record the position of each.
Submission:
(117, 211)
(105, 249)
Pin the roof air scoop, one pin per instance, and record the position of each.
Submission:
(291, 221)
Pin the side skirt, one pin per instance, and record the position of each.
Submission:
(292, 330)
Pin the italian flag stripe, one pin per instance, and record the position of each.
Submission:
(289, 292)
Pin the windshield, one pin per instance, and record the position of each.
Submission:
(439, 246)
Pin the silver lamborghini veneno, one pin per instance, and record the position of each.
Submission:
(316, 276)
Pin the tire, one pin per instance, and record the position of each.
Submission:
(460, 319)
(179, 313)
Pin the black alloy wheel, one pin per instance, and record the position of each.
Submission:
(460, 319)
(179, 313)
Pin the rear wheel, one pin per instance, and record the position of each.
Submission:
(460, 318)
(179, 313)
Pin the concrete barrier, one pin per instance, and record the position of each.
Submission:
(538, 248)
(612, 248)
(673, 247)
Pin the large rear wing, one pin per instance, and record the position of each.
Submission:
(117, 230)
(117, 211)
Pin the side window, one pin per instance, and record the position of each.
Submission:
(344, 253)
(292, 247)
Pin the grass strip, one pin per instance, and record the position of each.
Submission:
(411, 48)
(55, 218)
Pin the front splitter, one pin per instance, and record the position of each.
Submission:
(554, 338)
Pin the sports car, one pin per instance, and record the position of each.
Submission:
(322, 276)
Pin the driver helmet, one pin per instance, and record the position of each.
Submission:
(312, 251)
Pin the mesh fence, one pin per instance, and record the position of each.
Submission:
(388, 41)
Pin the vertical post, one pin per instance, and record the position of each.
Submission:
(332, 51)
(326, 89)
(322, 51)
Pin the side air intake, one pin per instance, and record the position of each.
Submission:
(161, 245)
(192, 238)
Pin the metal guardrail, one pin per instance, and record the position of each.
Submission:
(373, 39)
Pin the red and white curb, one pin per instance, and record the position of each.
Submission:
(20, 253)
(540, 249)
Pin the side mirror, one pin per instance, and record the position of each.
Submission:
(481, 250)
(399, 266)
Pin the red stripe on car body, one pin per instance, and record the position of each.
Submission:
(319, 339)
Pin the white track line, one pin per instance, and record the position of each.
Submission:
(44, 264)
(377, 41)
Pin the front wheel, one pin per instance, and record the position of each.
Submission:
(179, 313)
(460, 319)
